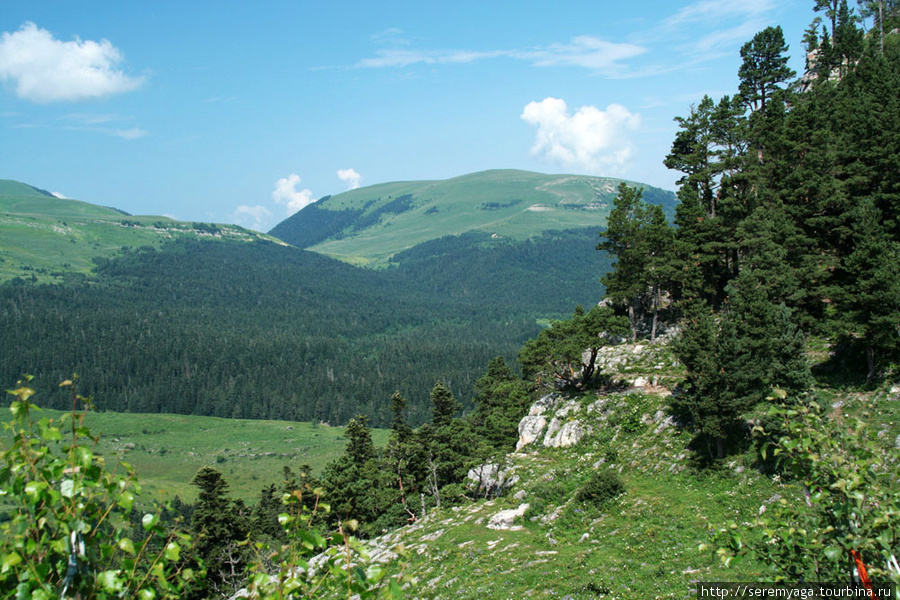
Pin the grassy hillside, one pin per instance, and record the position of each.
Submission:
(167, 450)
(656, 540)
(369, 225)
(45, 237)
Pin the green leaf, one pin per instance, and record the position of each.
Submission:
(126, 500)
(110, 581)
(9, 561)
(126, 545)
(173, 551)
(67, 488)
(149, 521)
(834, 553)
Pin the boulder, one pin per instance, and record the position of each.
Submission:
(530, 429)
(490, 479)
(504, 519)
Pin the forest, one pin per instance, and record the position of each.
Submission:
(787, 226)
(267, 331)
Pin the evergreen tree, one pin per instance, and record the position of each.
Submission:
(572, 345)
(640, 239)
(443, 405)
(869, 305)
(830, 7)
(622, 240)
(501, 400)
(764, 68)
(736, 361)
(360, 449)
(219, 529)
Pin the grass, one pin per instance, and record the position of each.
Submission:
(655, 541)
(45, 238)
(523, 205)
(167, 450)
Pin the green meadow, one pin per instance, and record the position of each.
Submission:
(166, 450)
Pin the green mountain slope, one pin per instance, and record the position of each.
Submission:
(370, 225)
(46, 237)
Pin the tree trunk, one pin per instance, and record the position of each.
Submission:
(587, 371)
(631, 319)
(655, 313)
(870, 360)
(434, 482)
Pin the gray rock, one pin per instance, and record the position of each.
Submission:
(530, 429)
(491, 479)
(568, 435)
(504, 519)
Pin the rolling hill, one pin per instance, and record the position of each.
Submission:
(158, 315)
(368, 226)
(45, 237)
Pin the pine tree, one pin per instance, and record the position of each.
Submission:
(501, 400)
(764, 68)
(869, 304)
(219, 530)
(735, 361)
(443, 405)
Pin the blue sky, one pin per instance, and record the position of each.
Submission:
(245, 111)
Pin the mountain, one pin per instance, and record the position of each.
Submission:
(158, 315)
(370, 226)
(47, 237)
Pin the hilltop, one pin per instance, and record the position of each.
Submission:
(370, 225)
(47, 237)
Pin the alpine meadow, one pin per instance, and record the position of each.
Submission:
(669, 370)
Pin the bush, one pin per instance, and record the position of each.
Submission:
(69, 531)
(602, 487)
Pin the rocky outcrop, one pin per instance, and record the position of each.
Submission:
(562, 429)
(491, 479)
(532, 425)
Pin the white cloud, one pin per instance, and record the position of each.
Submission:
(130, 134)
(591, 140)
(286, 193)
(585, 51)
(350, 177)
(399, 57)
(60, 195)
(252, 217)
(719, 10)
(107, 124)
(43, 69)
(721, 24)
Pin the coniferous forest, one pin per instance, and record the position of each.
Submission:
(268, 331)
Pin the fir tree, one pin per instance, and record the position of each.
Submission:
(443, 405)
(869, 304)
(219, 529)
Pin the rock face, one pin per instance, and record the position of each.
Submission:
(491, 480)
(562, 430)
(532, 425)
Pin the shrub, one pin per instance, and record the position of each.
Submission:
(602, 487)
(69, 531)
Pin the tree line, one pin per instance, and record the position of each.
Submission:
(787, 225)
